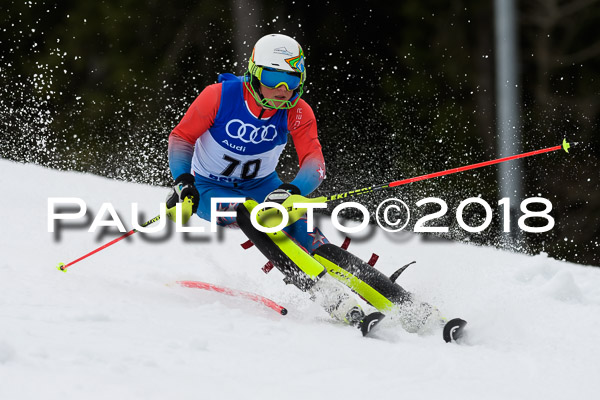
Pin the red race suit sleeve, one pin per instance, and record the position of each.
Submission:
(197, 120)
(303, 129)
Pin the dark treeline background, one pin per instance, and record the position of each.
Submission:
(399, 89)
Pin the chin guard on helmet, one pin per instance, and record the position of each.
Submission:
(282, 61)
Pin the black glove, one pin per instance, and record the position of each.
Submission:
(280, 194)
(184, 187)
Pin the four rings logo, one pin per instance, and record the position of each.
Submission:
(249, 133)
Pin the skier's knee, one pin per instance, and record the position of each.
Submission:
(294, 262)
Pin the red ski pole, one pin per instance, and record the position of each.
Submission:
(63, 267)
(565, 146)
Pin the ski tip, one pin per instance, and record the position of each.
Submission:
(454, 329)
(283, 311)
(61, 267)
(370, 321)
(565, 145)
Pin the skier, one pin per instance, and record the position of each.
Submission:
(228, 145)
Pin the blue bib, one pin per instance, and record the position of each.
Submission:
(236, 129)
(239, 146)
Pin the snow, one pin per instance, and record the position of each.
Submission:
(115, 326)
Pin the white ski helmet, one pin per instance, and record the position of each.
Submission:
(277, 60)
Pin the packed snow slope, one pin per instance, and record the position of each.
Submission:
(114, 326)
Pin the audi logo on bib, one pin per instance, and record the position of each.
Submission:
(249, 133)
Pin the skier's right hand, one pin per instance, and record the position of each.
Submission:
(184, 189)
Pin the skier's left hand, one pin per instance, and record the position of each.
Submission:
(280, 194)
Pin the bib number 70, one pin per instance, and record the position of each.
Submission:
(249, 168)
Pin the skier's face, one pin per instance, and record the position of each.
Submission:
(276, 96)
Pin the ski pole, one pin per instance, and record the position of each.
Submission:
(271, 217)
(323, 199)
(235, 293)
(565, 146)
(63, 267)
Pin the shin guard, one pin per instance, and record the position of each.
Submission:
(373, 286)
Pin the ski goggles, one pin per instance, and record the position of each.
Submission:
(273, 78)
